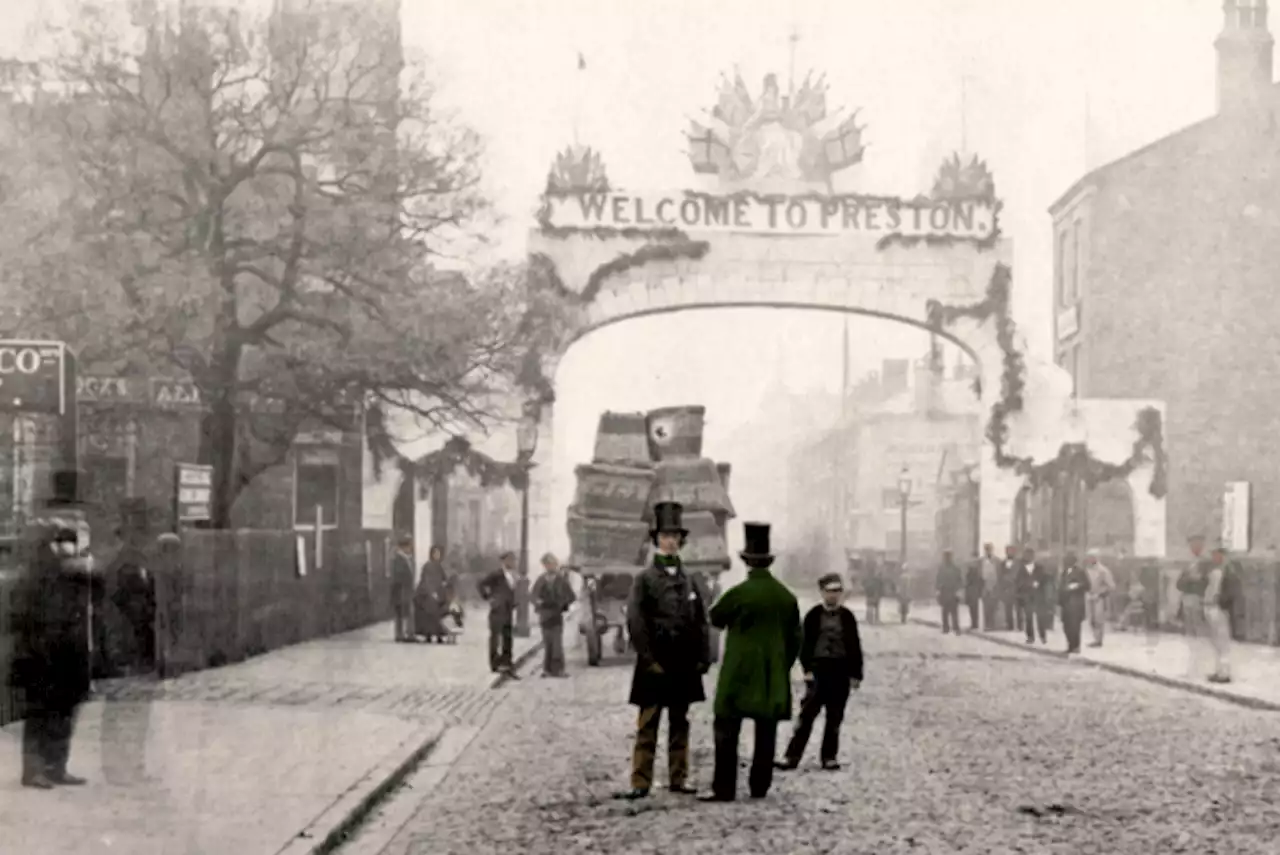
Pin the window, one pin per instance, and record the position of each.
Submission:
(1073, 366)
(1060, 268)
(1068, 267)
(315, 485)
(1077, 263)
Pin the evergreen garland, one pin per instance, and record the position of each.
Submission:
(441, 463)
(1073, 458)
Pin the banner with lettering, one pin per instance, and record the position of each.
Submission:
(872, 216)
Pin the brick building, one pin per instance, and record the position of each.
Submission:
(1165, 288)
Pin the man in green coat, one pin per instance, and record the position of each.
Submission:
(761, 620)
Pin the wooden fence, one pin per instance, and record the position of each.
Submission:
(224, 596)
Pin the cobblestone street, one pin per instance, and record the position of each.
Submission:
(954, 745)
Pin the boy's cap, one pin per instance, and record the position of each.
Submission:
(831, 582)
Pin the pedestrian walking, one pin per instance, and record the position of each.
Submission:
(948, 587)
(499, 589)
(552, 596)
(761, 621)
(1191, 586)
(1072, 596)
(402, 588)
(873, 589)
(1101, 586)
(1027, 584)
(973, 591)
(989, 569)
(52, 651)
(667, 621)
(1009, 572)
(1217, 604)
(831, 656)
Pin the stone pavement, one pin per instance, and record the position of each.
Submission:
(253, 757)
(1161, 657)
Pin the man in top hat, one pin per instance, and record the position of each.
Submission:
(761, 620)
(667, 621)
(52, 656)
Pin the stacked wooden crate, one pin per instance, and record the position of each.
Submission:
(642, 459)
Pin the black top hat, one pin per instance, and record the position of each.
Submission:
(68, 486)
(756, 542)
(668, 516)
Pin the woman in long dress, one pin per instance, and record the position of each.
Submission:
(433, 598)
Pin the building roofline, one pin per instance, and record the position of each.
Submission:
(1091, 178)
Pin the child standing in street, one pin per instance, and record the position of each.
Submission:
(831, 656)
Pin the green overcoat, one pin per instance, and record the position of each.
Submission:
(761, 620)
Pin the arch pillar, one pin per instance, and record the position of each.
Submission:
(1150, 518)
(541, 519)
(997, 497)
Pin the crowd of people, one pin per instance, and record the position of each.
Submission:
(1021, 593)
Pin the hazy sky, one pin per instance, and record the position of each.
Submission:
(1142, 67)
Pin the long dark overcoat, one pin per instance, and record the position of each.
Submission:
(667, 621)
(51, 655)
(761, 620)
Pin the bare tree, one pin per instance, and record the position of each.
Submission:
(259, 204)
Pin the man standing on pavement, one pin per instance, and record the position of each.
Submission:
(948, 586)
(761, 620)
(499, 588)
(973, 591)
(1028, 588)
(1191, 585)
(1072, 594)
(1101, 585)
(1009, 589)
(552, 596)
(831, 656)
(989, 569)
(1217, 616)
(402, 588)
(51, 634)
(667, 622)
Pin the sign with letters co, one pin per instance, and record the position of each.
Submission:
(33, 377)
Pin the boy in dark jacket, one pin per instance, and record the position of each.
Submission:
(831, 656)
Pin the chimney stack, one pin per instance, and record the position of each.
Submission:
(1245, 60)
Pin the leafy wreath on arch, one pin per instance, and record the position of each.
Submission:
(1073, 458)
(457, 452)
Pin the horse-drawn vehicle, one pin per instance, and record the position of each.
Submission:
(605, 591)
(641, 459)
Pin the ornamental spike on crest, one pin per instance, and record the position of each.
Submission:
(957, 180)
(578, 169)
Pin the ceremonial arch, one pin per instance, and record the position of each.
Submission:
(773, 234)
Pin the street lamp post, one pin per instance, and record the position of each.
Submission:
(526, 445)
(975, 508)
(904, 493)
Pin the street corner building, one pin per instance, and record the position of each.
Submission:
(1165, 265)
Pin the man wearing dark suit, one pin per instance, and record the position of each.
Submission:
(667, 621)
(402, 587)
(499, 588)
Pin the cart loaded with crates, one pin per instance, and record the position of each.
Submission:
(642, 459)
